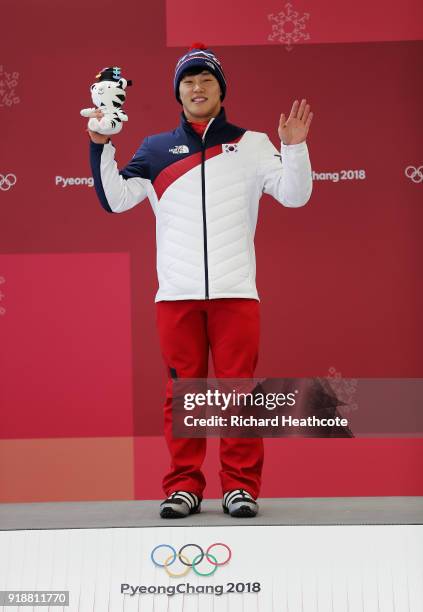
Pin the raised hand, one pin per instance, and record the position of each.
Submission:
(295, 129)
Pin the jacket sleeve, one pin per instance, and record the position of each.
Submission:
(120, 190)
(286, 175)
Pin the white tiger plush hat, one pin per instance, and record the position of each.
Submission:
(108, 95)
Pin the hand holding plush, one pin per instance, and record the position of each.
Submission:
(108, 95)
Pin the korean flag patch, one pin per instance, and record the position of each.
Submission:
(230, 148)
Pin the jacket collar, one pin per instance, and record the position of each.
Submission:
(216, 124)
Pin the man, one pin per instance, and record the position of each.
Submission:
(204, 181)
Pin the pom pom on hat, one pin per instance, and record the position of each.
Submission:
(197, 45)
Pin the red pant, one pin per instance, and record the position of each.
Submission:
(187, 329)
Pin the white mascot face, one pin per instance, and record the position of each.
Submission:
(108, 93)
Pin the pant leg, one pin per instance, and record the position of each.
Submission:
(184, 346)
(234, 329)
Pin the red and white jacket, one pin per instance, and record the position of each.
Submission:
(205, 194)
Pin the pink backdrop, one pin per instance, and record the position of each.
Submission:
(82, 382)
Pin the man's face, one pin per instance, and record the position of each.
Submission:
(200, 96)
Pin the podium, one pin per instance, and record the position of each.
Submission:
(297, 555)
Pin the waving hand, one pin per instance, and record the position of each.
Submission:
(295, 129)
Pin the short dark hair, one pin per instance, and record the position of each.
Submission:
(195, 70)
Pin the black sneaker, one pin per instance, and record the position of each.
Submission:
(180, 504)
(239, 503)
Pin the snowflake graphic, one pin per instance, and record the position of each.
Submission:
(8, 83)
(288, 27)
(345, 390)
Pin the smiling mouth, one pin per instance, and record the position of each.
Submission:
(198, 100)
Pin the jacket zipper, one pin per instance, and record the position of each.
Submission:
(203, 198)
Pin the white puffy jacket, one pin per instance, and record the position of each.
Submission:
(205, 194)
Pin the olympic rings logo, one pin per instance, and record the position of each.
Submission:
(198, 557)
(7, 181)
(415, 174)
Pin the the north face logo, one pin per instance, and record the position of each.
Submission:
(230, 148)
(179, 149)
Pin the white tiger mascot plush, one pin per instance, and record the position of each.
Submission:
(108, 95)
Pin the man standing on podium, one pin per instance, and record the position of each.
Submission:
(204, 181)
